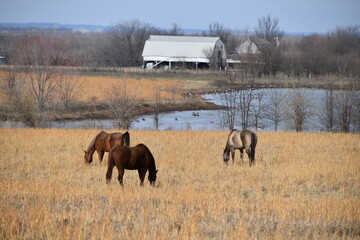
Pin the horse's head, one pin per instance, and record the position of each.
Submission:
(87, 157)
(152, 177)
(226, 155)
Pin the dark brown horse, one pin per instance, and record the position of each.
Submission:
(241, 140)
(132, 158)
(104, 142)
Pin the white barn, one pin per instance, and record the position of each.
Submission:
(173, 51)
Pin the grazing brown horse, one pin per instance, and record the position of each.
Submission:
(132, 158)
(241, 140)
(104, 142)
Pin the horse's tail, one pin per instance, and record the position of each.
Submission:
(150, 158)
(253, 146)
(151, 165)
(111, 164)
(126, 138)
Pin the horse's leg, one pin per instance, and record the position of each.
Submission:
(233, 155)
(248, 153)
(142, 174)
(242, 155)
(120, 176)
(101, 155)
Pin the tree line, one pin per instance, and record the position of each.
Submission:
(39, 58)
(121, 45)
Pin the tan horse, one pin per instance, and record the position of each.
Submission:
(104, 142)
(241, 140)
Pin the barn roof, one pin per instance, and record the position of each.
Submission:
(178, 48)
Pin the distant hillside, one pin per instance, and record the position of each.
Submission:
(69, 27)
(14, 27)
(52, 26)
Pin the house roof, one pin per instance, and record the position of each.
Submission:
(247, 46)
(178, 48)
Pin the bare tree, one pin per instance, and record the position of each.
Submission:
(356, 117)
(39, 56)
(157, 107)
(268, 38)
(19, 99)
(258, 111)
(299, 108)
(228, 114)
(275, 112)
(67, 90)
(176, 30)
(5, 44)
(313, 54)
(229, 101)
(121, 106)
(217, 29)
(214, 59)
(345, 105)
(327, 102)
(126, 42)
(246, 98)
(345, 40)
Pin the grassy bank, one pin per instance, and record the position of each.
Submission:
(157, 89)
(302, 186)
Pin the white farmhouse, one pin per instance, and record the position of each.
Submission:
(184, 51)
(247, 47)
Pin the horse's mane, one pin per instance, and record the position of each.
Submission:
(227, 142)
(92, 144)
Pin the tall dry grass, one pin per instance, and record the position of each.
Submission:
(96, 88)
(142, 89)
(304, 185)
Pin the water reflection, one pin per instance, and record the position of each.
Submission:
(196, 120)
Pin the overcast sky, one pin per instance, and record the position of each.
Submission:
(304, 16)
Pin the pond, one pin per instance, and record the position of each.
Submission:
(210, 120)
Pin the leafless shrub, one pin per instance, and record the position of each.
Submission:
(213, 58)
(258, 111)
(345, 105)
(121, 106)
(275, 112)
(326, 113)
(228, 113)
(229, 101)
(268, 37)
(299, 108)
(38, 56)
(22, 103)
(126, 41)
(246, 98)
(67, 90)
(157, 107)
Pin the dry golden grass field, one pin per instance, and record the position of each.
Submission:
(142, 89)
(97, 88)
(303, 186)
